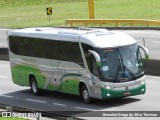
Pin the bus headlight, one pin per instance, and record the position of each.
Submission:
(110, 87)
(142, 82)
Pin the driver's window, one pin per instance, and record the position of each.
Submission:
(91, 62)
(92, 65)
(139, 59)
(94, 68)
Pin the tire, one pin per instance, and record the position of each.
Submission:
(85, 94)
(34, 87)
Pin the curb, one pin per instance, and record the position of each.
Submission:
(120, 28)
(132, 28)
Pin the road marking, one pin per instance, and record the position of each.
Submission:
(152, 76)
(8, 96)
(58, 104)
(88, 109)
(156, 42)
(39, 101)
(3, 77)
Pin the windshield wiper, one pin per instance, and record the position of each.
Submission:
(124, 66)
(131, 73)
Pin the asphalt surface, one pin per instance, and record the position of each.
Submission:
(50, 101)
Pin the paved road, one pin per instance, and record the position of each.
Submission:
(51, 101)
(151, 38)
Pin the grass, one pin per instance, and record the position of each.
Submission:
(35, 15)
(128, 9)
(28, 13)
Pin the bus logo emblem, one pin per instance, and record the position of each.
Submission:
(126, 88)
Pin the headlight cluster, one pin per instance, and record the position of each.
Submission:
(142, 82)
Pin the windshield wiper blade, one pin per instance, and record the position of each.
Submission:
(131, 73)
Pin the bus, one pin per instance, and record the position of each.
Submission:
(89, 62)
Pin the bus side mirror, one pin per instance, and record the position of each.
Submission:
(145, 51)
(97, 57)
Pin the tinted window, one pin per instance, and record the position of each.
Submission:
(42, 48)
(89, 58)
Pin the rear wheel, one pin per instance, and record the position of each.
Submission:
(85, 94)
(34, 87)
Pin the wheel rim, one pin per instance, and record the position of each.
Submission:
(34, 87)
(85, 94)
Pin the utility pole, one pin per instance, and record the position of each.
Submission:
(91, 9)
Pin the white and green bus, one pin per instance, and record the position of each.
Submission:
(92, 63)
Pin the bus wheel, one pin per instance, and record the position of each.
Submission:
(34, 88)
(85, 94)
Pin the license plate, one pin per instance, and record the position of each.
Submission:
(127, 93)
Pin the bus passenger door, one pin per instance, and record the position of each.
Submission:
(93, 68)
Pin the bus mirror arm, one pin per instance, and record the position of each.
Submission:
(145, 51)
(97, 57)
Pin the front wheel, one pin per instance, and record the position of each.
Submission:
(34, 87)
(85, 95)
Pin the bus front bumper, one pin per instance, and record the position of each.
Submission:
(109, 94)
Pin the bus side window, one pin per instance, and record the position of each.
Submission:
(94, 68)
(91, 62)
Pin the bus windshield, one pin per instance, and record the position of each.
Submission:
(120, 64)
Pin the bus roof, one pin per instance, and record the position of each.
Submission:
(100, 38)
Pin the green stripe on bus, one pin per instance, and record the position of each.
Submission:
(20, 74)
